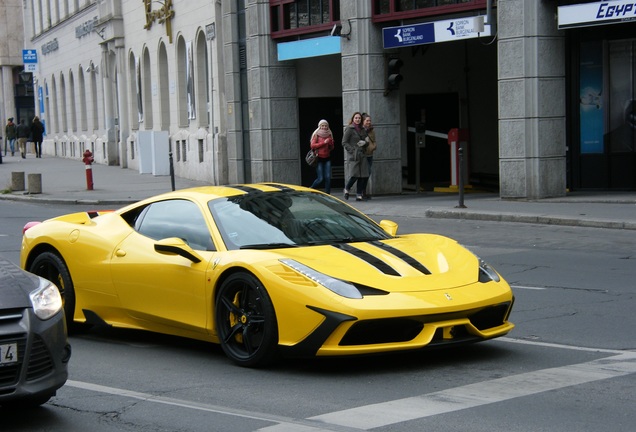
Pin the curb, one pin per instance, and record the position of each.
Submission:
(529, 219)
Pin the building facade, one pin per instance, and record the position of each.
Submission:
(16, 87)
(231, 90)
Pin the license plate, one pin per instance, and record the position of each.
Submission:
(8, 353)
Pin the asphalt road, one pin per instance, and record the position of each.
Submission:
(570, 364)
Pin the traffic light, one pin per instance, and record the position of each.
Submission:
(393, 76)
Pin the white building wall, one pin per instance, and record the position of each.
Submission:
(94, 71)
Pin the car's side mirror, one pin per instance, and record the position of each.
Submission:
(389, 226)
(176, 246)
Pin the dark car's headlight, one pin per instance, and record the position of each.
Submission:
(338, 286)
(46, 300)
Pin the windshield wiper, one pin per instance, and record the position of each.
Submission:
(268, 246)
(343, 240)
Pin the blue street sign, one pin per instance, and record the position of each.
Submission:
(415, 34)
(29, 56)
(437, 31)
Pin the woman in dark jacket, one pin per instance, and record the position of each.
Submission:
(354, 143)
(37, 135)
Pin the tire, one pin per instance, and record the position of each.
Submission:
(51, 266)
(246, 321)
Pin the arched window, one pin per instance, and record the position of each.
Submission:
(55, 112)
(182, 62)
(82, 99)
(203, 78)
(164, 88)
(62, 104)
(136, 110)
(146, 83)
(72, 107)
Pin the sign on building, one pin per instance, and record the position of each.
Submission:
(30, 60)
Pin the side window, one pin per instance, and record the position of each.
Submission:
(175, 218)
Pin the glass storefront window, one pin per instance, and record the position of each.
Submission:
(385, 10)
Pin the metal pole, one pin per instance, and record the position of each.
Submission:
(171, 170)
(461, 176)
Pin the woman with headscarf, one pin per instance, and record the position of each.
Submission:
(322, 144)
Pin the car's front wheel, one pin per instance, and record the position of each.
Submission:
(51, 266)
(246, 321)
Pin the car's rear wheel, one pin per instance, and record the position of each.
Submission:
(51, 266)
(246, 321)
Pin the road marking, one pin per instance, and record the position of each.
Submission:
(473, 395)
(526, 287)
(299, 425)
(397, 411)
(561, 346)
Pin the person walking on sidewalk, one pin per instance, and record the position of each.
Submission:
(371, 147)
(37, 135)
(10, 134)
(353, 141)
(23, 136)
(322, 143)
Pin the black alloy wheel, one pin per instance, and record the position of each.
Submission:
(246, 321)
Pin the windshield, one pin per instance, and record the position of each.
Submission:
(288, 219)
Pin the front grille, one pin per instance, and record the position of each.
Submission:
(10, 315)
(382, 331)
(9, 374)
(40, 362)
(395, 330)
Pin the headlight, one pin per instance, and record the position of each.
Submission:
(337, 286)
(46, 300)
(487, 273)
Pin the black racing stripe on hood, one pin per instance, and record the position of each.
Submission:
(375, 262)
(404, 257)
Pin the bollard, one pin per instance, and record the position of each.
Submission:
(17, 181)
(88, 160)
(34, 183)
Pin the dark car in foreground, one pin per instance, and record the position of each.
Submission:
(34, 349)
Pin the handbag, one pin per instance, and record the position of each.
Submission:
(311, 158)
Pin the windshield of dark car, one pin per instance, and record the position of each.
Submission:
(289, 218)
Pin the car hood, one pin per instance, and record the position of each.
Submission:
(419, 262)
(15, 286)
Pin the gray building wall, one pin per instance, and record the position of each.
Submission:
(11, 44)
(531, 57)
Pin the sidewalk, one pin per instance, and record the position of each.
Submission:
(64, 181)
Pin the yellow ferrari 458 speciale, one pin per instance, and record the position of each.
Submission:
(267, 269)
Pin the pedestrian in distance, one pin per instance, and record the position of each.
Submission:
(354, 143)
(371, 147)
(23, 134)
(10, 134)
(322, 143)
(37, 135)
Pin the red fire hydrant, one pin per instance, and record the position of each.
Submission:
(88, 160)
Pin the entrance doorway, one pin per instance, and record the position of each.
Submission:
(440, 113)
(311, 111)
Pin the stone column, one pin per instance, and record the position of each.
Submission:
(532, 99)
(363, 80)
(273, 102)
